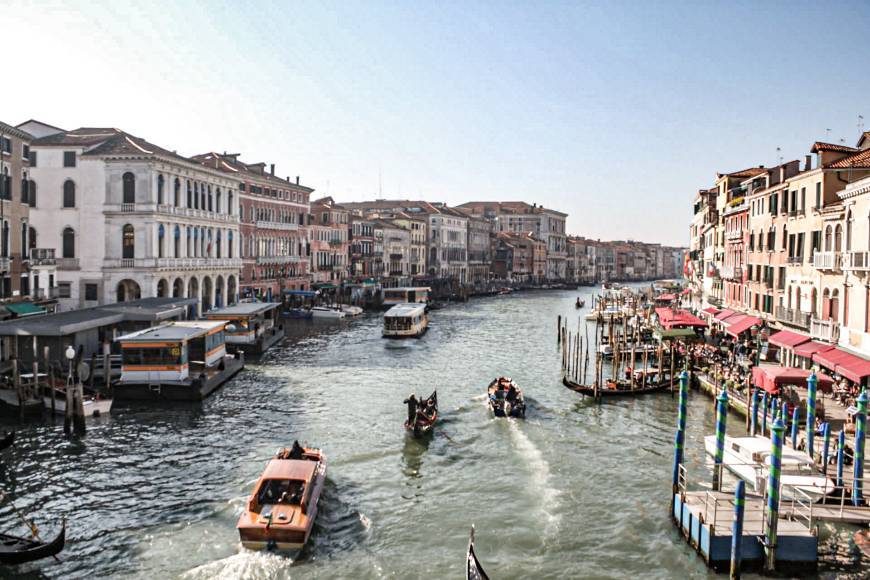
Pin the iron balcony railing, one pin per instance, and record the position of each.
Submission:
(793, 316)
(42, 257)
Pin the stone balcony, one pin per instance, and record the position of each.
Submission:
(42, 257)
(172, 263)
(793, 317)
(4, 264)
(286, 226)
(856, 261)
(171, 210)
(281, 259)
(826, 330)
(827, 261)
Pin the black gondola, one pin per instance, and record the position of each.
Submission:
(422, 415)
(7, 441)
(505, 398)
(615, 389)
(473, 569)
(18, 550)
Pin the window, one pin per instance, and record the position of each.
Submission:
(128, 242)
(25, 151)
(31, 194)
(69, 243)
(818, 195)
(91, 292)
(32, 158)
(69, 193)
(161, 235)
(25, 187)
(160, 189)
(129, 185)
(69, 158)
(64, 290)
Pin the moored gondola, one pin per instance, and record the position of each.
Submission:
(422, 414)
(18, 550)
(505, 398)
(473, 569)
(612, 388)
(7, 441)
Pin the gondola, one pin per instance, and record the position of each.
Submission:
(580, 303)
(505, 398)
(422, 415)
(7, 441)
(18, 550)
(615, 388)
(473, 569)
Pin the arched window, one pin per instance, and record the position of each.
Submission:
(31, 198)
(210, 200)
(828, 239)
(69, 243)
(177, 192)
(161, 235)
(849, 231)
(177, 242)
(195, 195)
(217, 245)
(835, 305)
(160, 189)
(32, 237)
(838, 238)
(129, 183)
(69, 193)
(230, 202)
(230, 244)
(202, 196)
(217, 200)
(128, 242)
(189, 194)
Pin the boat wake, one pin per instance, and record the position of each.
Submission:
(540, 477)
(246, 564)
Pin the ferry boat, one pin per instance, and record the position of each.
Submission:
(326, 312)
(749, 459)
(505, 398)
(180, 361)
(252, 326)
(281, 510)
(405, 295)
(406, 321)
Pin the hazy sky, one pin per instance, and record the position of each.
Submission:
(613, 112)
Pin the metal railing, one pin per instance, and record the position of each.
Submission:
(288, 226)
(42, 257)
(793, 316)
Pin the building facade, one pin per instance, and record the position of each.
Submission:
(330, 234)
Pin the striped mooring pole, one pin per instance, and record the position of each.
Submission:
(764, 405)
(773, 482)
(721, 420)
(826, 447)
(783, 414)
(737, 529)
(860, 430)
(795, 427)
(812, 385)
(753, 425)
(680, 437)
(841, 451)
(774, 413)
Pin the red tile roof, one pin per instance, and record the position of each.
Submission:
(860, 160)
(822, 146)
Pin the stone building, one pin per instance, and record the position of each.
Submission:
(329, 230)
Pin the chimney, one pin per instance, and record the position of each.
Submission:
(297, 180)
(808, 162)
(272, 169)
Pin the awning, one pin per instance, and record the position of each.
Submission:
(670, 318)
(722, 315)
(851, 366)
(830, 358)
(711, 310)
(771, 379)
(22, 309)
(669, 333)
(308, 293)
(665, 298)
(737, 328)
(808, 349)
(325, 286)
(788, 339)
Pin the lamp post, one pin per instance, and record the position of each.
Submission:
(70, 354)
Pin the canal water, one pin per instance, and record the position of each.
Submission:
(576, 490)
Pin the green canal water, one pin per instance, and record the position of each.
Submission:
(577, 490)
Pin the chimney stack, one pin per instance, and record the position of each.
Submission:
(297, 180)
(808, 163)
(272, 169)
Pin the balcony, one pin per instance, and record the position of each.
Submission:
(827, 261)
(856, 261)
(795, 260)
(793, 317)
(336, 242)
(826, 330)
(171, 263)
(42, 257)
(188, 212)
(67, 263)
(290, 227)
(280, 259)
(4, 264)
(46, 293)
(734, 235)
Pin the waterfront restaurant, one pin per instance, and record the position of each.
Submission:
(178, 361)
(252, 326)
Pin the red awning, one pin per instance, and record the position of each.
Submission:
(685, 291)
(771, 379)
(723, 314)
(788, 339)
(670, 318)
(744, 324)
(665, 298)
(830, 358)
(808, 349)
(853, 367)
(710, 310)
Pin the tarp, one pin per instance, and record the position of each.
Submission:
(23, 309)
(735, 329)
(845, 363)
(771, 379)
(670, 318)
(722, 315)
(788, 339)
(808, 349)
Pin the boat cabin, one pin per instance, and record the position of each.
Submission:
(406, 295)
(250, 325)
(405, 320)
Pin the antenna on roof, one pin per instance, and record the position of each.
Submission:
(380, 188)
(827, 134)
(860, 123)
(779, 154)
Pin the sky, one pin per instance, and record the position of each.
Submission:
(613, 112)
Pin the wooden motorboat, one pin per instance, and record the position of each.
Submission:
(505, 398)
(18, 550)
(7, 441)
(422, 414)
(281, 510)
(94, 405)
(473, 569)
(613, 388)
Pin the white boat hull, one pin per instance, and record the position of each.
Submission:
(92, 408)
(327, 313)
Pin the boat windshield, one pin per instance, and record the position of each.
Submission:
(286, 491)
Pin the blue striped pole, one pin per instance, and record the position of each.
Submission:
(795, 426)
(764, 404)
(783, 414)
(737, 528)
(812, 385)
(841, 448)
(773, 483)
(826, 447)
(721, 420)
(753, 426)
(679, 440)
(774, 411)
(860, 429)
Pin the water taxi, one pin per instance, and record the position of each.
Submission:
(252, 326)
(326, 312)
(749, 459)
(181, 361)
(406, 295)
(280, 512)
(406, 321)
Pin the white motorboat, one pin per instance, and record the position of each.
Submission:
(93, 406)
(610, 312)
(326, 312)
(352, 311)
(749, 459)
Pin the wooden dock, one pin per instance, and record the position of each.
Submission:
(705, 519)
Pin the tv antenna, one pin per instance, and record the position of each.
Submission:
(860, 123)
(779, 154)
